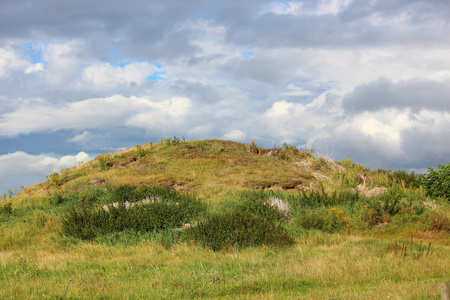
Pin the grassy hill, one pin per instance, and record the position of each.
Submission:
(218, 219)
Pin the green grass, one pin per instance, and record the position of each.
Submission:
(345, 244)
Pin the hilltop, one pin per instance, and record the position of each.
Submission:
(211, 168)
(214, 218)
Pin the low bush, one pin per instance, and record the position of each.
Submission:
(437, 182)
(163, 212)
(262, 204)
(238, 229)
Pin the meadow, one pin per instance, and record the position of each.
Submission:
(219, 219)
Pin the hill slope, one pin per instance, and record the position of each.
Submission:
(59, 241)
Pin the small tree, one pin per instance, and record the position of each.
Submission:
(437, 182)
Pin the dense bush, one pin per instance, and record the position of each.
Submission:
(239, 229)
(437, 182)
(167, 209)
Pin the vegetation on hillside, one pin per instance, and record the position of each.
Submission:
(218, 218)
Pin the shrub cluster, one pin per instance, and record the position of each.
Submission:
(167, 209)
(254, 221)
(437, 182)
(239, 229)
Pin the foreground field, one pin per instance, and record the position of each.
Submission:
(318, 267)
(345, 244)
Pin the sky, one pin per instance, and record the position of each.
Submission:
(363, 79)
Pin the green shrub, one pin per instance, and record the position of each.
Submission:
(124, 193)
(169, 210)
(238, 229)
(140, 151)
(6, 209)
(259, 203)
(391, 201)
(437, 182)
(103, 161)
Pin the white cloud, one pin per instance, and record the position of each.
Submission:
(82, 138)
(235, 135)
(34, 68)
(94, 113)
(9, 61)
(294, 90)
(20, 168)
(105, 75)
(63, 63)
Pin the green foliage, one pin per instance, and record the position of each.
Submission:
(54, 179)
(238, 229)
(165, 209)
(176, 140)
(328, 220)
(217, 148)
(103, 162)
(6, 209)
(399, 178)
(290, 152)
(87, 197)
(141, 152)
(258, 203)
(437, 182)
(57, 199)
(124, 193)
(321, 199)
(391, 201)
(203, 145)
(290, 148)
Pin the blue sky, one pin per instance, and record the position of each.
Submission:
(368, 80)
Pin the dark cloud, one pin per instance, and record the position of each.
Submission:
(414, 94)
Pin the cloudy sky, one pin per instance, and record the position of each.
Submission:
(365, 79)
